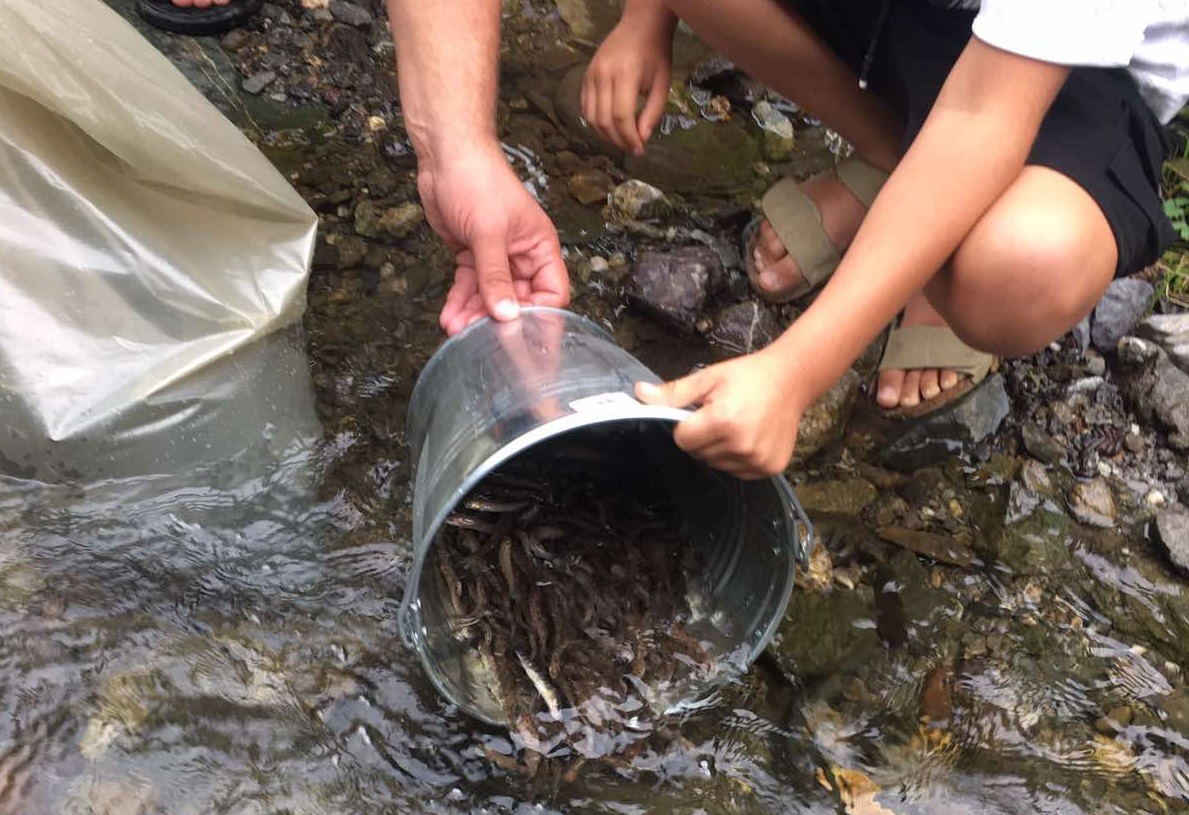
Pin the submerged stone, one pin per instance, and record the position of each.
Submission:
(826, 634)
(910, 609)
(952, 430)
(1041, 445)
(635, 200)
(367, 219)
(402, 220)
(846, 497)
(589, 186)
(707, 158)
(942, 548)
(1093, 503)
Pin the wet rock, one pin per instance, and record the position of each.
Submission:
(953, 429)
(825, 420)
(256, 83)
(20, 582)
(909, 608)
(1114, 721)
(634, 200)
(1081, 333)
(382, 181)
(846, 497)
(351, 251)
(1119, 311)
(351, 14)
(1092, 503)
(1041, 445)
(589, 186)
(1155, 389)
(776, 131)
(675, 285)
(325, 255)
(1175, 709)
(400, 221)
(1170, 332)
(125, 796)
(942, 548)
(1036, 479)
(744, 327)
(367, 219)
(235, 39)
(1031, 542)
(826, 634)
(1172, 533)
(705, 159)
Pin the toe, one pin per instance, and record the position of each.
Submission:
(910, 391)
(947, 379)
(930, 388)
(769, 244)
(888, 393)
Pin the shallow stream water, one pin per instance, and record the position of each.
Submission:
(221, 640)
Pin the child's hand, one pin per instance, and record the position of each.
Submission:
(749, 411)
(634, 60)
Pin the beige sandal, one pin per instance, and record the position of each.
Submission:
(928, 346)
(798, 223)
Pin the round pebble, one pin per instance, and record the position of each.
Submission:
(599, 264)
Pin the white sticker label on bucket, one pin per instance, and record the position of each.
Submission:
(602, 401)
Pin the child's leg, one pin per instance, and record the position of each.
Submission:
(1032, 268)
(776, 45)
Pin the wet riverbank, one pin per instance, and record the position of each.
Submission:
(999, 632)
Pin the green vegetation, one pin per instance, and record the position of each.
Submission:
(1174, 266)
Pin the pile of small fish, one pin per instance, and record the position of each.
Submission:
(566, 575)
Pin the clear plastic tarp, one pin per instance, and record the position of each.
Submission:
(145, 246)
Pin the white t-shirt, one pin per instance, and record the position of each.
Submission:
(1148, 37)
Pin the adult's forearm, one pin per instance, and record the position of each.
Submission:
(972, 148)
(655, 14)
(447, 55)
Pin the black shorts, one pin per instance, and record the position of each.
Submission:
(1099, 132)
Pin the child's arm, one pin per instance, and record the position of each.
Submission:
(634, 60)
(972, 147)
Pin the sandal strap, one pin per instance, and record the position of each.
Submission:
(929, 346)
(798, 224)
(862, 179)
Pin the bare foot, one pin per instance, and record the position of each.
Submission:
(908, 389)
(842, 213)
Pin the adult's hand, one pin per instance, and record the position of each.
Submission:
(506, 247)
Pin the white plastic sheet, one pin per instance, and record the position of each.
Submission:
(143, 239)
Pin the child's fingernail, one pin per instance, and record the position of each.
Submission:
(506, 310)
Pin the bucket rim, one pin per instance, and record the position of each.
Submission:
(618, 411)
(435, 361)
